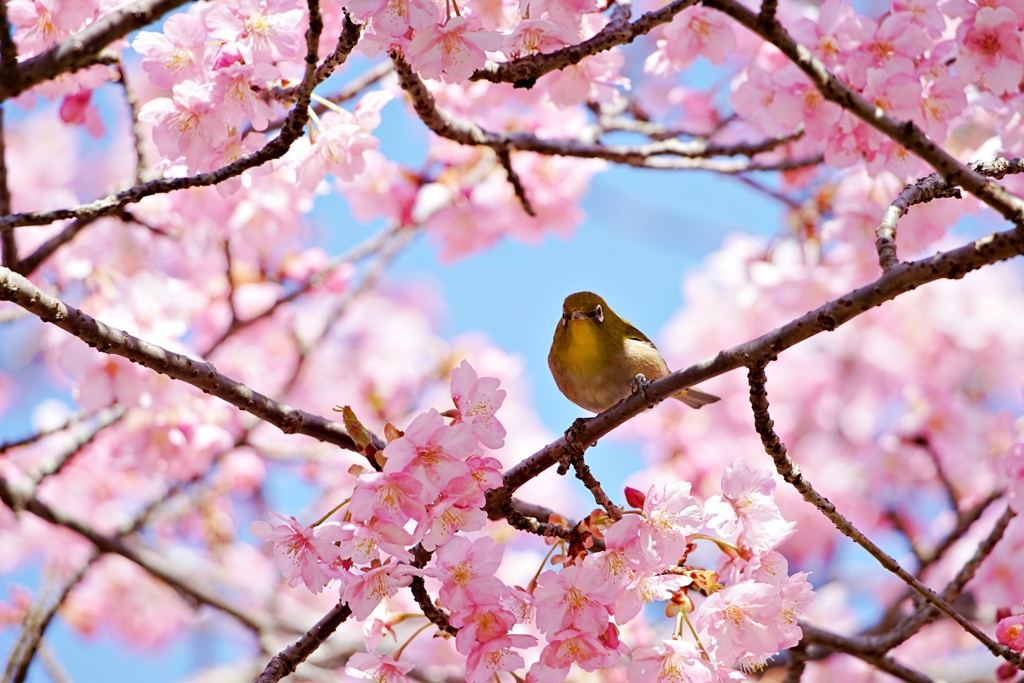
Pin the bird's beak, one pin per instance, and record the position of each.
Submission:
(578, 315)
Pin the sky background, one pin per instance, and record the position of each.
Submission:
(643, 231)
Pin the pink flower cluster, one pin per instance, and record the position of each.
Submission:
(906, 64)
(431, 491)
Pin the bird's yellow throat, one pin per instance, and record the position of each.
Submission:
(583, 349)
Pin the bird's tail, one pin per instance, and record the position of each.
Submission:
(695, 398)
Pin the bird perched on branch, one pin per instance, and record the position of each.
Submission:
(598, 359)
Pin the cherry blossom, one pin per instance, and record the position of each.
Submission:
(462, 42)
(303, 554)
(746, 509)
(380, 668)
(1010, 632)
(476, 400)
(992, 51)
(671, 516)
(672, 660)
(364, 591)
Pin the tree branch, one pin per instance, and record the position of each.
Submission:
(900, 279)
(202, 375)
(525, 71)
(790, 473)
(286, 661)
(153, 563)
(905, 133)
(276, 148)
(83, 48)
(8, 245)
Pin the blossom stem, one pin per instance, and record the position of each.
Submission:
(696, 638)
(398, 653)
(325, 102)
(724, 545)
(533, 581)
(330, 512)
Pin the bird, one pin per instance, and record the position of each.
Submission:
(597, 358)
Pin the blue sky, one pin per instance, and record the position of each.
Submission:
(643, 231)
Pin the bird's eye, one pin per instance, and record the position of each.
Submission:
(565, 319)
(599, 313)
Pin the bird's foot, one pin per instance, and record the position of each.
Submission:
(574, 448)
(639, 385)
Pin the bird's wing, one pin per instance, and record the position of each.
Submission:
(633, 333)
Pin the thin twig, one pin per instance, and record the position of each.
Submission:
(906, 133)
(8, 245)
(202, 375)
(133, 112)
(790, 473)
(38, 620)
(152, 562)
(274, 149)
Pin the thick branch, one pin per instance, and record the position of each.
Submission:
(83, 48)
(670, 154)
(202, 375)
(525, 71)
(925, 190)
(901, 279)
(905, 133)
(286, 661)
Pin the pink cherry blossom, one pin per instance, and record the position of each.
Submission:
(265, 30)
(480, 622)
(645, 588)
(392, 19)
(175, 53)
(477, 399)
(366, 590)
(451, 51)
(671, 516)
(577, 597)
(304, 554)
(41, 23)
(78, 110)
(1010, 632)
(992, 51)
(749, 621)
(445, 518)
(234, 87)
(466, 571)
(377, 667)
(469, 490)
(339, 143)
(746, 510)
(889, 47)
(820, 34)
(695, 31)
(393, 497)
(587, 651)
(432, 451)
(186, 125)
(496, 654)
(672, 660)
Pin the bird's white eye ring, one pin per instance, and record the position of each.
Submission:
(599, 313)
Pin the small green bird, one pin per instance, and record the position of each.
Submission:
(596, 356)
